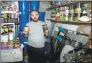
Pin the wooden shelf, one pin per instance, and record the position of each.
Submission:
(71, 22)
(67, 4)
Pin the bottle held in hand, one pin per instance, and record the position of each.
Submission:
(26, 31)
(46, 33)
(45, 30)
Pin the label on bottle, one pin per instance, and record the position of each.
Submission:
(66, 18)
(75, 15)
(69, 18)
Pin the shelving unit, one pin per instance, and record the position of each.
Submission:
(12, 55)
(11, 50)
(72, 8)
(60, 6)
(71, 22)
(63, 23)
(2, 12)
(67, 4)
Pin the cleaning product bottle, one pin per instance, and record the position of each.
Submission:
(79, 10)
(75, 13)
(84, 17)
(69, 13)
(57, 16)
(66, 13)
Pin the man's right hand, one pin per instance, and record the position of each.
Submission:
(26, 31)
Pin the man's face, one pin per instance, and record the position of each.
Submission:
(34, 16)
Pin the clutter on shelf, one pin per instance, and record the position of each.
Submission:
(72, 11)
(8, 40)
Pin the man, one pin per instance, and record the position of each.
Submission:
(36, 38)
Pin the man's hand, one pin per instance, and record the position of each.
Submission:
(46, 31)
(26, 31)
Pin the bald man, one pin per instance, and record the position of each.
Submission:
(36, 39)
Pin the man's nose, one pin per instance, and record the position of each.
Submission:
(34, 17)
